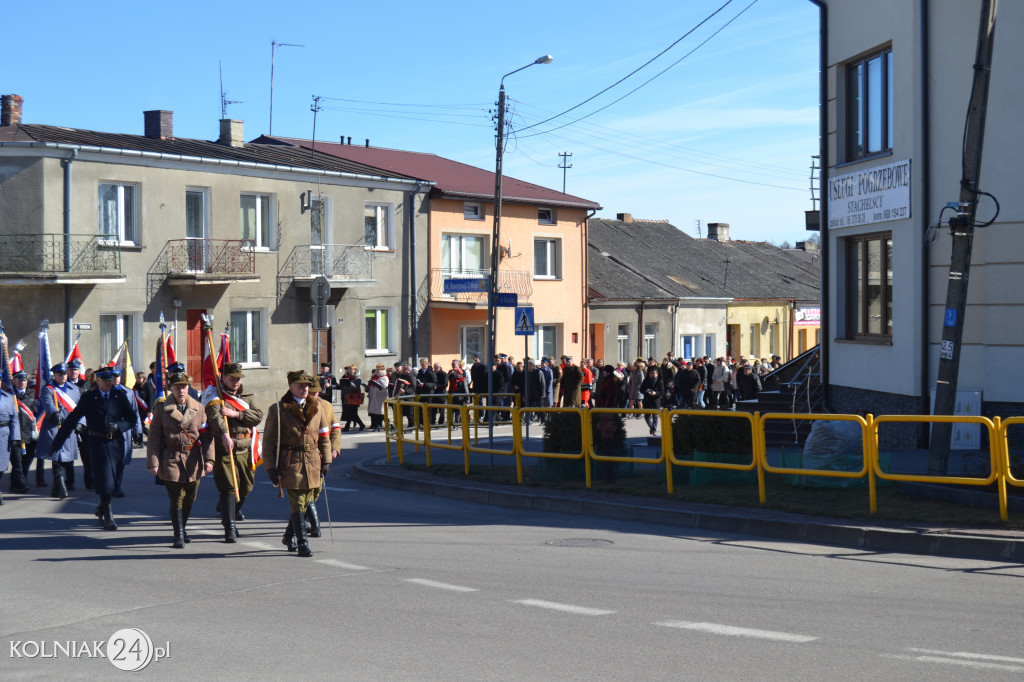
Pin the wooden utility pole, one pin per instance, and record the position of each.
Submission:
(962, 227)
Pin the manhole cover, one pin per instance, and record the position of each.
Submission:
(579, 542)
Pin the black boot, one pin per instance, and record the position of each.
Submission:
(106, 516)
(59, 488)
(69, 475)
(179, 529)
(289, 538)
(239, 516)
(40, 476)
(185, 512)
(299, 525)
(227, 516)
(314, 521)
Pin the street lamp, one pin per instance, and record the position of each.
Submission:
(496, 240)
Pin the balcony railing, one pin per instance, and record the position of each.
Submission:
(345, 262)
(223, 258)
(53, 255)
(509, 281)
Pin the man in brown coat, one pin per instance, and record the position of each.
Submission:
(311, 513)
(175, 453)
(572, 380)
(297, 453)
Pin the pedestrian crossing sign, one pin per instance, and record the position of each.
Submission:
(524, 321)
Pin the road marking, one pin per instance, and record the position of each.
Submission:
(440, 586)
(338, 490)
(259, 545)
(966, 659)
(567, 608)
(342, 564)
(718, 629)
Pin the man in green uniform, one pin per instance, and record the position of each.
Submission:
(230, 424)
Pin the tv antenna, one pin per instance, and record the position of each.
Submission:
(224, 101)
(696, 223)
(273, 48)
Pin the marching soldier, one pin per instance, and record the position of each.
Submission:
(230, 424)
(109, 420)
(297, 453)
(10, 431)
(57, 400)
(20, 463)
(176, 454)
(311, 513)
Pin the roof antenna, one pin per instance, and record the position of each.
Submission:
(224, 101)
(696, 223)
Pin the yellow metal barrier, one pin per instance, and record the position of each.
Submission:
(866, 435)
(588, 440)
(1004, 427)
(520, 447)
(668, 447)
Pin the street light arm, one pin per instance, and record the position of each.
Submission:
(546, 59)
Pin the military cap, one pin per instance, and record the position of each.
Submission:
(20, 375)
(176, 367)
(315, 387)
(75, 364)
(61, 367)
(299, 377)
(179, 378)
(232, 369)
(108, 373)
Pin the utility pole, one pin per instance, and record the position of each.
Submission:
(273, 48)
(962, 228)
(564, 166)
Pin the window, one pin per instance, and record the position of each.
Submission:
(755, 337)
(195, 229)
(869, 105)
(462, 254)
(547, 258)
(650, 339)
(688, 344)
(869, 286)
(257, 224)
(114, 329)
(472, 211)
(623, 339)
(117, 213)
(709, 346)
(246, 336)
(546, 341)
(546, 216)
(377, 226)
(471, 343)
(771, 339)
(377, 332)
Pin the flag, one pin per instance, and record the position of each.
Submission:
(16, 365)
(122, 360)
(6, 383)
(256, 451)
(224, 354)
(171, 358)
(43, 375)
(75, 354)
(161, 366)
(209, 372)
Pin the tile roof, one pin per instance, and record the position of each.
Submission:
(451, 177)
(272, 154)
(644, 260)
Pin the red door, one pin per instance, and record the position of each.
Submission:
(194, 344)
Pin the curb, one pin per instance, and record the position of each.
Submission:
(706, 517)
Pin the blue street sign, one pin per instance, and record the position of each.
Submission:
(524, 321)
(949, 320)
(506, 300)
(466, 285)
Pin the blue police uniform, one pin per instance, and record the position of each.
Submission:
(10, 430)
(56, 414)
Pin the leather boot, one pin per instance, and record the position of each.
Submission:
(185, 512)
(40, 476)
(299, 525)
(59, 488)
(106, 516)
(314, 521)
(227, 516)
(179, 529)
(239, 516)
(289, 538)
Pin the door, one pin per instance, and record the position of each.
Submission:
(194, 344)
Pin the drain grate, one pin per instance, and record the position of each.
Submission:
(578, 542)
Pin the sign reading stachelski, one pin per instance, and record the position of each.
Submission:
(873, 195)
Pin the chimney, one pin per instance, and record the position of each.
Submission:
(349, 140)
(159, 124)
(624, 217)
(231, 133)
(10, 110)
(367, 143)
(718, 231)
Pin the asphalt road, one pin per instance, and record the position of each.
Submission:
(416, 587)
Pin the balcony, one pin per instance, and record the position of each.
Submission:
(59, 259)
(347, 265)
(206, 261)
(519, 282)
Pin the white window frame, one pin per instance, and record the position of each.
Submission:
(244, 354)
(264, 223)
(125, 326)
(199, 256)
(123, 214)
(385, 238)
(694, 346)
(709, 346)
(472, 210)
(552, 249)
(464, 353)
(623, 344)
(454, 238)
(755, 342)
(540, 339)
(650, 347)
(379, 348)
(546, 216)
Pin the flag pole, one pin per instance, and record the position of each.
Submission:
(208, 325)
(10, 385)
(72, 351)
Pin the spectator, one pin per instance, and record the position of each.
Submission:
(652, 390)
(721, 385)
(327, 382)
(458, 388)
(376, 392)
(749, 384)
(440, 390)
(350, 388)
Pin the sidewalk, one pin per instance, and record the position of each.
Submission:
(996, 544)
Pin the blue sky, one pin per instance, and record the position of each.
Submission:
(742, 107)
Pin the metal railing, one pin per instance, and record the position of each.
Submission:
(334, 261)
(517, 282)
(869, 467)
(54, 254)
(225, 257)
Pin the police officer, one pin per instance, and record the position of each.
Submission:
(75, 377)
(109, 421)
(175, 452)
(297, 453)
(230, 424)
(133, 439)
(20, 462)
(56, 401)
(10, 431)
